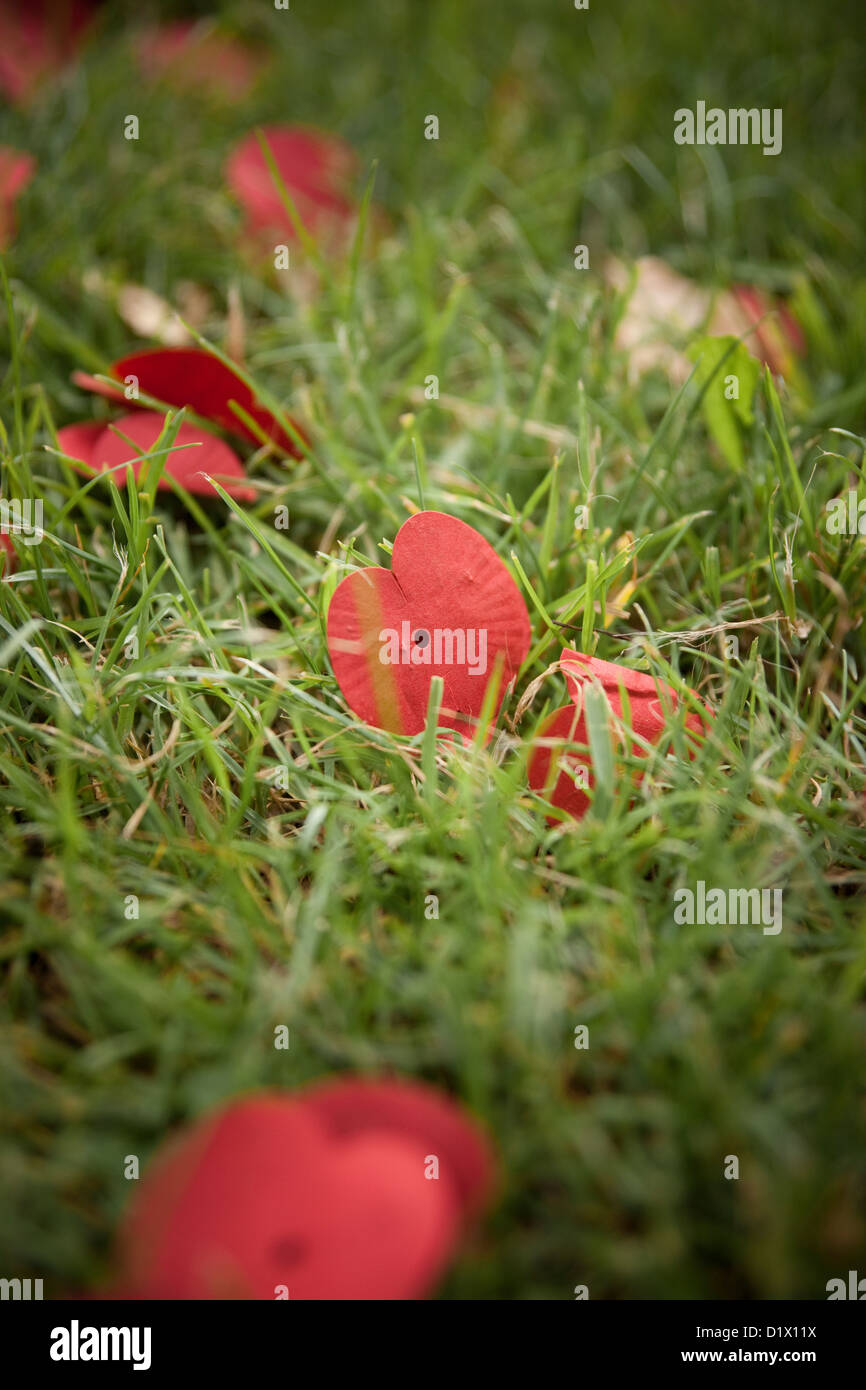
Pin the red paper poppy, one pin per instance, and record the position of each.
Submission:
(447, 607)
(418, 1113)
(38, 39)
(316, 169)
(16, 170)
(189, 55)
(777, 337)
(260, 1198)
(650, 702)
(194, 378)
(100, 448)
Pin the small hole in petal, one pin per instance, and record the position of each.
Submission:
(421, 637)
(288, 1250)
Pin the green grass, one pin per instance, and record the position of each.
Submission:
(280, 852)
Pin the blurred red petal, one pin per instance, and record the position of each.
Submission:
(192, 56)
(99, 388)
(775, 337)
(103, 448)
(191, 377)
(433, 1122)
(316, 169)
(78, 440)
(8, 555)
(38, 39)
(258, 1197)
(16, 170)
(448, 583)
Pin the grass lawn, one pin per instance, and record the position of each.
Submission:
(199, 841)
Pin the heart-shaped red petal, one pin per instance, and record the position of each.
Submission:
(448, 607)
(432, 1122)
(194, 378)
(102, 449)
(259, 1198)
(315, 168)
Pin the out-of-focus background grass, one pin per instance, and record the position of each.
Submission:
(305, 905)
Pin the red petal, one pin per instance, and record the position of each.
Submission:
(9, 560)
(445, 580)
(433, 1123)
(651, 704)
(194, 378)
(775, 339)
(194, 57)
(38, 39)
(16, 170)
(78, 441)
(314, 167)
(103, 448)
(258, 1196)
(578, 668)
(552, 769)
(99, 388)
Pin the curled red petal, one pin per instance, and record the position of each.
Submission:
(99, 388)
(563, 776)
(577, 667)
(555, 769)
(195, 378)
(106, 448)
(650, 701)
